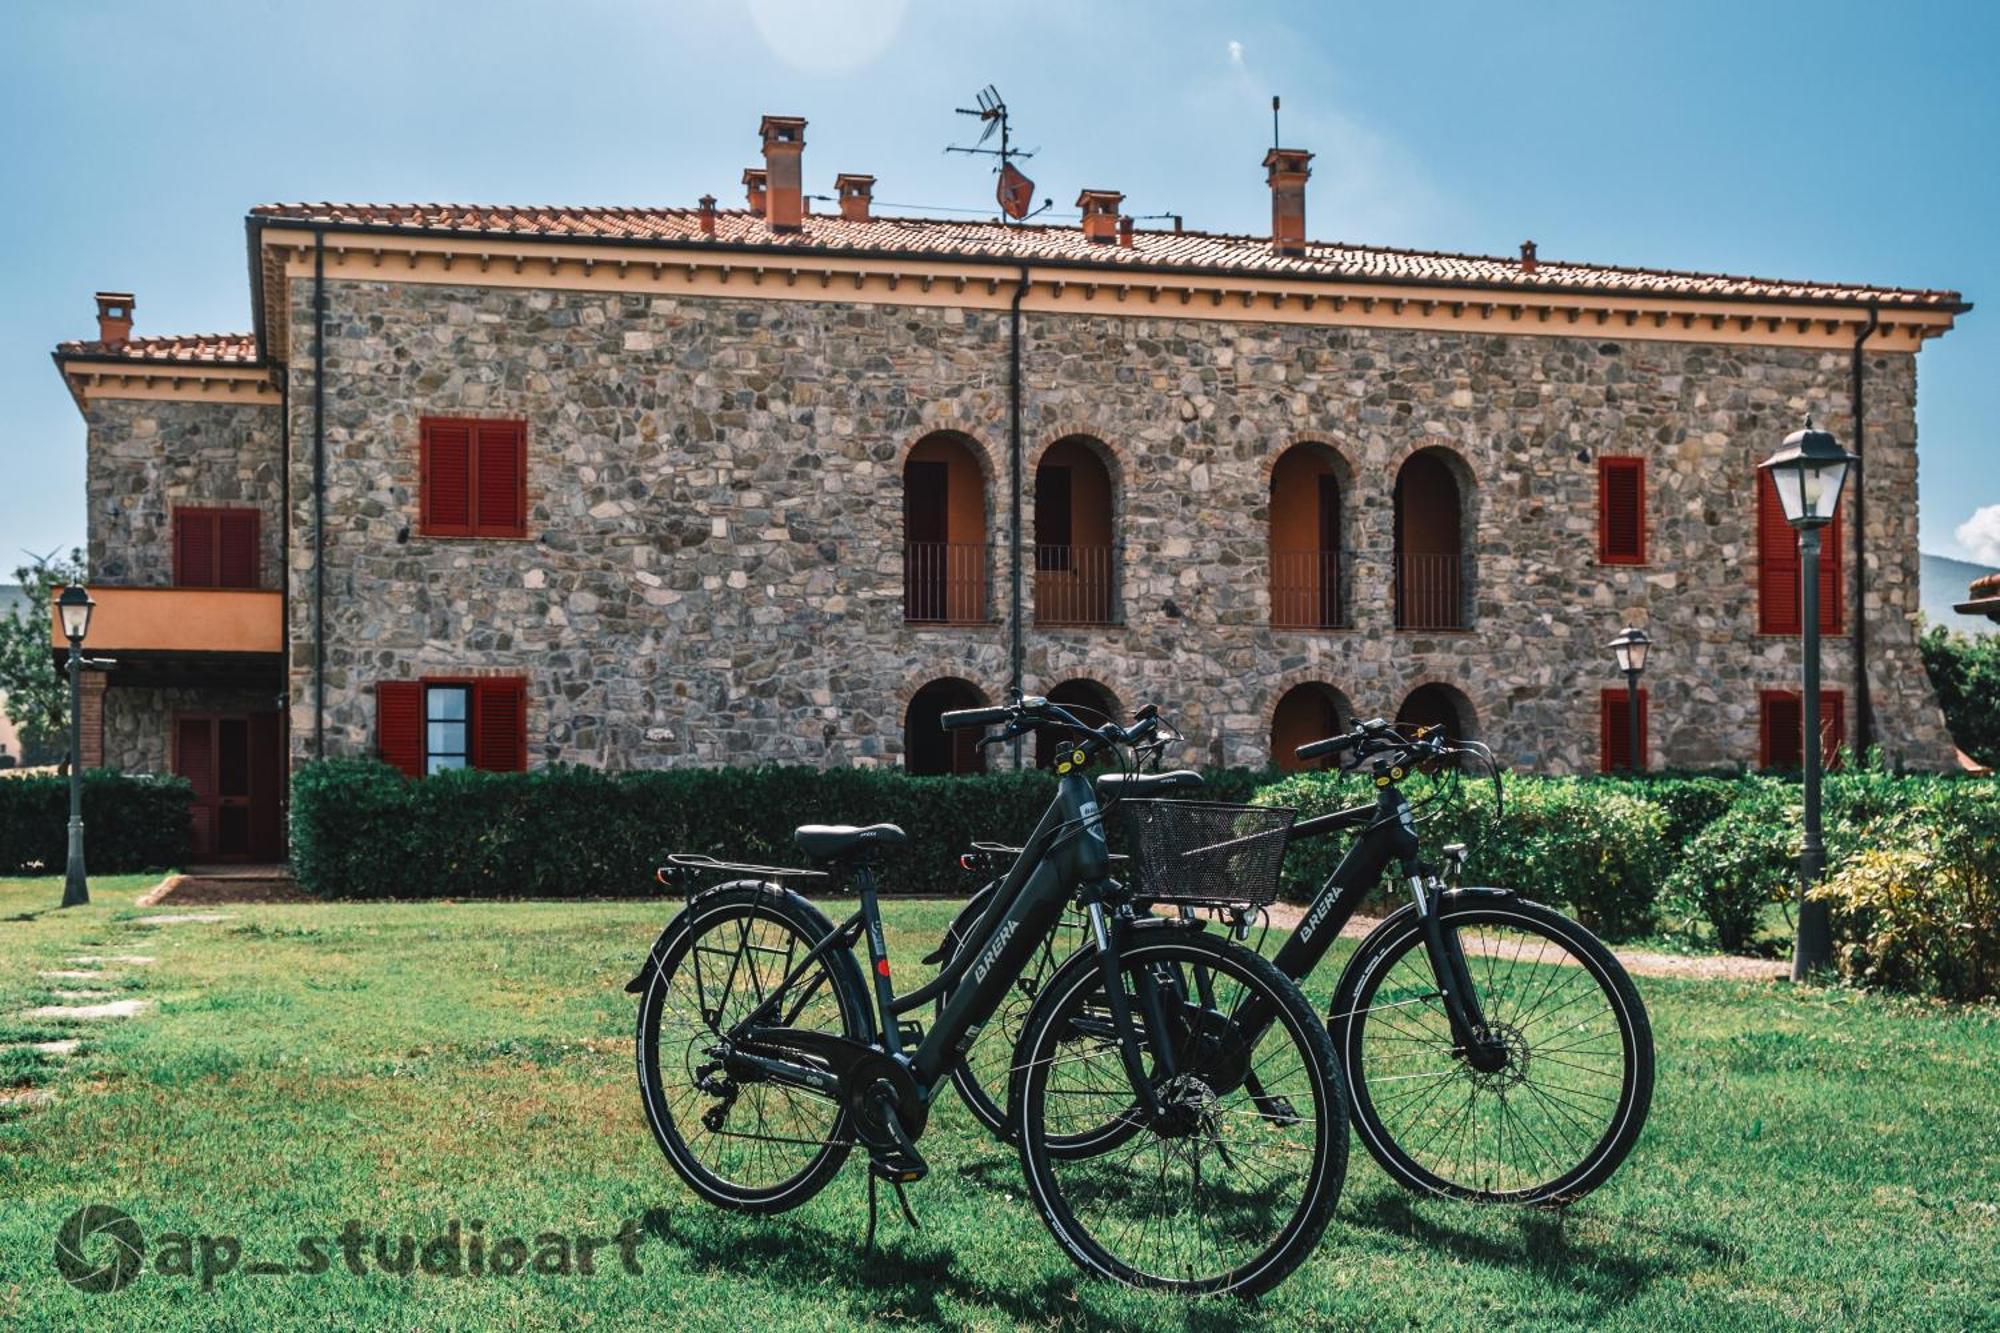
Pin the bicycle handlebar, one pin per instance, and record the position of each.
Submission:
(974, 717)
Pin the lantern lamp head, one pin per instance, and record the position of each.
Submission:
(1809, 472)
(1630, 649)
(75, 606)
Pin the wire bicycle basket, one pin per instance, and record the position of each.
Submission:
(1207, 851)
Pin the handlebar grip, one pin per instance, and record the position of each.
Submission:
(1331, 745)
(1148, 713)
(974, 717)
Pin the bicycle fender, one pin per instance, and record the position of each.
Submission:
(652, 962)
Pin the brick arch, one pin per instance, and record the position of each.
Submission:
(937, 669)
(992, 463)
(1344, 453)
(940, 752)
(1116, 458)
(1464, 699)
(1343, 708)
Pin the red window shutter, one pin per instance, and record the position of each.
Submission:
(1621, 511)
(236, 548)
(399, 724)
(1615, 731)
(1777, 564)
(446, 481)
(500, 725)
(500, 473)
(1832, 595)
(194, 548)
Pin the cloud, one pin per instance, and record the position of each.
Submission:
(1980, 534)
(1236, 54)
(828, 36)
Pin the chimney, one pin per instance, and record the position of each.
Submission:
(1287, 169)
(1528, 261)
(754, 189)
(708, 215)
(114, 318)
(784, 144)
(855, 192)
(1125, 231)
(1100, 214)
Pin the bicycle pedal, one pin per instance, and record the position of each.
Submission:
(910, 1032)
(898, 1166)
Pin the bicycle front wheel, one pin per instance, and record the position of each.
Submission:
(1551, 1123)
(1229, 1193)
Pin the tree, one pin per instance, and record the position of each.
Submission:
(37, 693)
(1965, 671)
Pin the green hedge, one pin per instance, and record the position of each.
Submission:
(362, 830)
(1591, 848)
(130, 823)
(1695, 853)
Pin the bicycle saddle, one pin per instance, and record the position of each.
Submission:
(831, 842)
(1113, 785)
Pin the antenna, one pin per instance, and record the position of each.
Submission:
(1275, 140)
(1016, 191)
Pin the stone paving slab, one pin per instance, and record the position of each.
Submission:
(75, 996)
(71, 974)
(88, 1012)
(127, 959)
(180, 917)
(67, 1046)
(25, 1096)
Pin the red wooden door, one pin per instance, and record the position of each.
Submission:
(234, 764)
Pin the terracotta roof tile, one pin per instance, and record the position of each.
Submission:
(211, 349)
(993, 241)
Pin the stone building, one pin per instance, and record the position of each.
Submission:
(650, 487)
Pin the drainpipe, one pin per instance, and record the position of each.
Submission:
(319, 495)
(285, 583)
(1864, 710)
(1018, 641)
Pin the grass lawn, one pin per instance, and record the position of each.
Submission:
(1818, 1158)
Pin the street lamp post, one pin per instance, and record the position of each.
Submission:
(75, 607)
(1808, 473)
(1630, 649)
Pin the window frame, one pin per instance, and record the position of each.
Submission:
(482, 433)
(1606, 466)
(1620, 730)
(417, 764)
(1832, 705)
(213, 516)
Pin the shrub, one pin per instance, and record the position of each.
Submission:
(1736, 866)
(362, 830)
(131, 823)
(1918, 908)
(1965, 671)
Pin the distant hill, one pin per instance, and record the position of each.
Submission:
(1943, 585)
(11, 596)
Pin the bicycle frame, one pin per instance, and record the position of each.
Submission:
(1066, 857)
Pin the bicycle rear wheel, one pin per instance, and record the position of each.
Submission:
(1231, 1191)
(740, 1140)
(1557, 1119)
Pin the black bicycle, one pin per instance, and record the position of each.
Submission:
(762, 1062)
(1494, 1049)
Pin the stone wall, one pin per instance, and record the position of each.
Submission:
(148, 457)
(138, 720)
(713, 572)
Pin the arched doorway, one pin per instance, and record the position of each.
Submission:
(927, 747)
(1431, 573)
(1307, 587)
(944, 532)
(1436, 705)
(1307, 712)
(1093, 703)
(1076, 575)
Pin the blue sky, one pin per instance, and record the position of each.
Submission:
(1845, 141)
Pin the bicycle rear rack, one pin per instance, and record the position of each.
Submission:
(682, 868)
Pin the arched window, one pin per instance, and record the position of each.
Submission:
(1308, 590)
(929, 748)
(1076, 565)
(1308, 712)
(944, 532)
(1435, 705)
(1432, 571)
(1093, 703)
